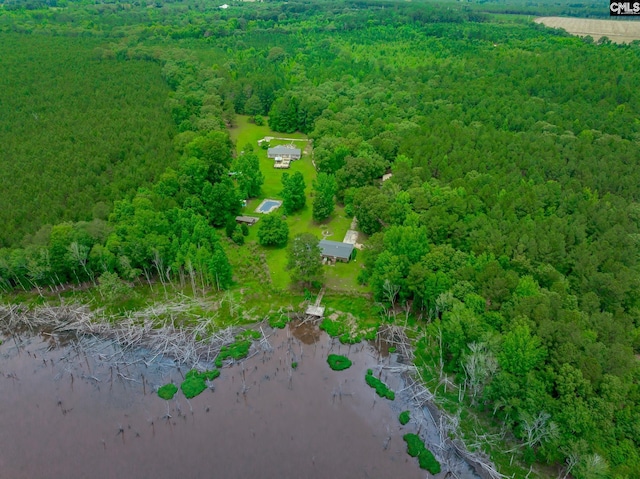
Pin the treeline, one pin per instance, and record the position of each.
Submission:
(165, 232)
(532, 307)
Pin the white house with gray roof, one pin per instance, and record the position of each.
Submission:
(284, 152)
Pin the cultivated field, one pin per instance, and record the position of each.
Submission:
(617, 31)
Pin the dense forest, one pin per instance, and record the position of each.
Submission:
(77, 133)
(509, 229)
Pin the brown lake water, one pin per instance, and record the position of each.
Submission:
(67, 414)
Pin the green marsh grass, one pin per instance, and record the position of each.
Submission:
(404, 417)
(416, 448)
(381, 388)
(168, 391)
(194, 382)
(338, 362)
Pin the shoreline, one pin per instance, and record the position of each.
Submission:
(77, 323)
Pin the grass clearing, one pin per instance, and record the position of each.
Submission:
(246, 132)
(362, 308)
(342, 277)
(339, 277)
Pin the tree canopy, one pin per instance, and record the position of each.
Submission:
(293, 195)
(509, 227)
(273, 230)
(304, 259)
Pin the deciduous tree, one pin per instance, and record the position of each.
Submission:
(273, 230)
(305, 261)
(293, 196)
(324, 187)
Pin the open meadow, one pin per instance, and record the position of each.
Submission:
(615, 30)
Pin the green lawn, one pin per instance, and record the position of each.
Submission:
(245, 132)
(341, 277)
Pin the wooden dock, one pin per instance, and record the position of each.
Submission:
(315, 310)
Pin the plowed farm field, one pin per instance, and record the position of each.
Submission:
(616, 31)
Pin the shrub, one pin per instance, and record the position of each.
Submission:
(381, 388)
(230, 227)
(404, 417)
(273, 230)
(338, 329)
(416, 448)
(168, 391)
(331, 327)
(237, 237)
(278, 320)
(239, 349)
(414, 444)
(194, 382)
(338, 362)
(428, 462)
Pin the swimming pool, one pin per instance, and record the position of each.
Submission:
(267, 206)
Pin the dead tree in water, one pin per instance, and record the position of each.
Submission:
(155, 329)
(425, 410)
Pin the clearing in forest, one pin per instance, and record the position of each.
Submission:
(340, 277)
(618, 31)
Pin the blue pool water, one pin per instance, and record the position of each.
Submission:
(268, 205)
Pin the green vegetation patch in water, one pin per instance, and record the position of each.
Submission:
(194, 382)
(339, 329)
(381, 388)
(338, 362)
(404, 417)
(238, 349)
(278, 320)
(168, 391)
(416, 448)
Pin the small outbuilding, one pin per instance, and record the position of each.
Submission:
(284, 152)
(336, 251)
(248, 220)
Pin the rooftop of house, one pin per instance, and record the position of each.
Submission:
(283, 150)
(336, 249)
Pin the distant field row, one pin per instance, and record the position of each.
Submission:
(615, 30)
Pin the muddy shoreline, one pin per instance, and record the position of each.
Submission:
(72, 412)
